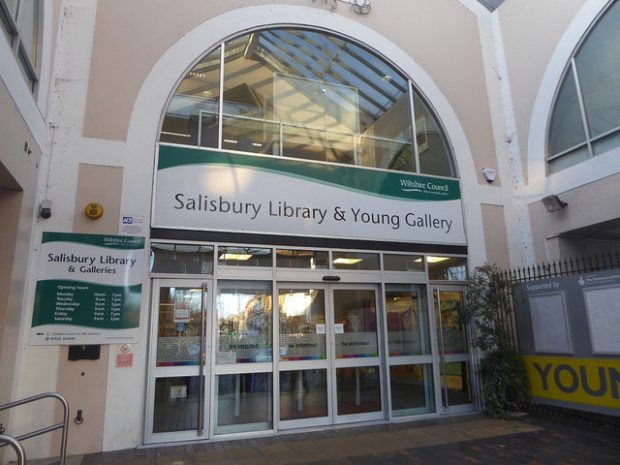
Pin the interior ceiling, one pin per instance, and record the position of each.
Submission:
(7, 181)
(607, 230)
(321, 57)
(351, 74)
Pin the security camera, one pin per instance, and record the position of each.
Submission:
(45, 209)
(489, 174)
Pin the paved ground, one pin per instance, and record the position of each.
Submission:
(472, 439)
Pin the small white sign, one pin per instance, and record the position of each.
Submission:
(132, 225)
(178, 392)
(226, 357)
(181, 315)
(339, 328)
(125, 349)
(320, 329)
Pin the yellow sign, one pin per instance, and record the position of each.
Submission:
(579, 380)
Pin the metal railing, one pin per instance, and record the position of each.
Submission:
(347, 141)
(15, 442)
(557, 269)
(565, 267)
(17, 447)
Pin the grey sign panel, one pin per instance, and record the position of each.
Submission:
(603, 312)
(550, 323)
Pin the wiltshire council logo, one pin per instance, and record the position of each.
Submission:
(414, 185)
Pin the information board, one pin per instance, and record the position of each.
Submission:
(568, 340)
(88, 290)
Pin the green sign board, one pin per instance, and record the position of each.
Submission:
(88, 290)
(212, 190)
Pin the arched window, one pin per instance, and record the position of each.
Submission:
(585, 121)
(308, 95)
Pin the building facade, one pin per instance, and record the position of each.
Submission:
(312, 180)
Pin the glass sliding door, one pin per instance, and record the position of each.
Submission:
(267, 343)
(179, 365)
(303, 356)
(357, 390)
(243, 402)
(329, 361)
(409, 350)
(454, 349)
(243, 381)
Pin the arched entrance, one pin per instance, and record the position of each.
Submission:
(255, 173)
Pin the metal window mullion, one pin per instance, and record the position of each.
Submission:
(201, 362)
(8, 20)
(414, 140)
(281, 136)
(442, 353)
(212, 348)
(567, 151)
(275, 351)
(384, 358)
(582, 107)
(199, 139)
(26, 65)
(605, 134)
(434, 340)
(220, 124)
(18, 11)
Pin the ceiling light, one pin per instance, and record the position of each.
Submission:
(347, 261)
(176, 134)
(235, 256)
(437, 259)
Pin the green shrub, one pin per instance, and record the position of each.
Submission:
(487, 306)
(504, 382)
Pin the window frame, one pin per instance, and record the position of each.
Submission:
(412, 90)
(13, 30)
(589, 140)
